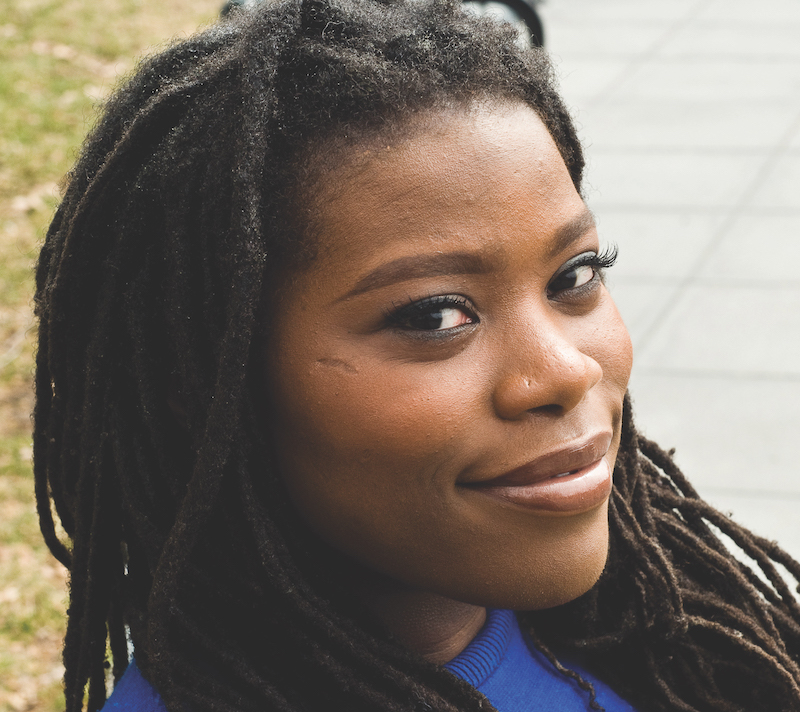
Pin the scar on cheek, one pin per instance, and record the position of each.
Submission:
(337, 363)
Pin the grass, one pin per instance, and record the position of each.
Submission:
(59, 59)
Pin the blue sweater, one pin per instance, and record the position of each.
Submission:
(500, 663)
(503, 664)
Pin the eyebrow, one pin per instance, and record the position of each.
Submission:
(405, 269)
(570, 232)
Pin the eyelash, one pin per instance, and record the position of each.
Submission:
(599, 262)
(400, 317)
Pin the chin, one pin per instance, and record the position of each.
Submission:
(567, 573)
(567, 594)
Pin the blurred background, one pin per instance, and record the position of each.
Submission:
(690, 113)
(58, 60)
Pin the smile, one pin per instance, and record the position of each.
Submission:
(570, 481)
(572, 492)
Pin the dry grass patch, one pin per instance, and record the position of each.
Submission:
(60, 58)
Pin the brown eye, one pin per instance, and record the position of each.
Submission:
(573, 278)
(581, 271)
(447, 318)
(434, 314)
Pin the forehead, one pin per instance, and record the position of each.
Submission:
(469, 177)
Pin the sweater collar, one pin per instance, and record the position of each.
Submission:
(476, 663)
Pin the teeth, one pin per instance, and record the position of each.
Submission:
(564, 474)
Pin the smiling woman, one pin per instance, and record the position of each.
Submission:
(449, 353)
(334, 410)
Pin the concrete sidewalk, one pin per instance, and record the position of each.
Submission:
(690, 114)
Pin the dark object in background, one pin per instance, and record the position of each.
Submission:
(522, 12)
(231, 4)
(513, 11)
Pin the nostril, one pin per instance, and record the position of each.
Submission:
(554, 384)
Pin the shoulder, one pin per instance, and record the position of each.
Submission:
(134, 694)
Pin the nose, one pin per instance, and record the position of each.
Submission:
(546, 372)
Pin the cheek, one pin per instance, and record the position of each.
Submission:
(610, 345)
(365, 457)
(353, 436)
(352, 408)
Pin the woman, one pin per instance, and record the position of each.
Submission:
(327, 371)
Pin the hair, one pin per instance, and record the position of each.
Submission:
(184, 205)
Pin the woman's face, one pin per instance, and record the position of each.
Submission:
(448, 374)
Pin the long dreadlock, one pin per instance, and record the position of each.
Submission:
(186, 200)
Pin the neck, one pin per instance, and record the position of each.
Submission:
(435, 627)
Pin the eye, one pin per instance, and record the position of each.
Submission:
(440, 313)
(573, 278)
(581, 271)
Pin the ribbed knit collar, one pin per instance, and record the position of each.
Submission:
(483, 655)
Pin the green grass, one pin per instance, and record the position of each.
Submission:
(59, 59)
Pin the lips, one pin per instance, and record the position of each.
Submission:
(573, 479)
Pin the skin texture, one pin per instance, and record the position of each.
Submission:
(388, 421)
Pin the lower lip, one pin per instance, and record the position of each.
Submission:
(579, 491)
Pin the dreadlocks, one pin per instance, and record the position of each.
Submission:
(186, 200)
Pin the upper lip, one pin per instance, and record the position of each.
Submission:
(572, 457)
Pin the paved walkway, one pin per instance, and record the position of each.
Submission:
(690, 112)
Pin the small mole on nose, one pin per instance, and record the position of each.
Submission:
(337, 363)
